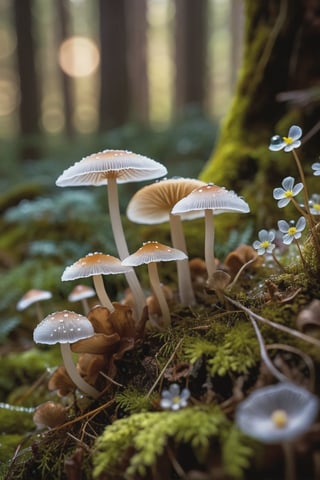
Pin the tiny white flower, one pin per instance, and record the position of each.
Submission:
(290, 230)
(289, 190)
(314, 204)
(264, 244)
(277, 413)
(173, 399)
(316, 168)
(288, 143)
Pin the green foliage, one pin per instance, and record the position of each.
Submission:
(133, 400)
(26, 368)
(234, 351)
(131, 445)
(236, 453)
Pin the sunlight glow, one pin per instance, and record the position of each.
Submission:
(78, 56)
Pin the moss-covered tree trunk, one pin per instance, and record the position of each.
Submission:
(281, 55)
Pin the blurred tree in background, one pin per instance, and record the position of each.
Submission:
(278, 86)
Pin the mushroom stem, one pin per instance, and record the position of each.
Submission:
(85, 305)
(121, 244)
(73, 372)
(157, 290)
(186, 293)
(209, 243)
(39, 311)
(101, 292)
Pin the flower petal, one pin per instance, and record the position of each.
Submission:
(297, 189)
(301, 223)
(295, 132)
(283, 226)
(288, 183)
(278, 193)
(283, 202)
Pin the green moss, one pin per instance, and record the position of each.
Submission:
(130, 446)
(25, 368)
(15, 420)
(8, 445)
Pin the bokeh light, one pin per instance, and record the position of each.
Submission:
(79, 56)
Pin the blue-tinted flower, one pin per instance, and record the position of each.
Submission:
(314, 204)
(291, 231)
(264, 244)
(173, 399)
(288, 143)
(277, 413)
(316, 168)
(289, 190)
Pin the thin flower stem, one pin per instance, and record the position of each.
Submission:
(308, 215)
(277, 262)
(303, 180)
(301, 256)
(290, 472)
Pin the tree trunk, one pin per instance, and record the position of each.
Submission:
(29, 93)
(190, 52)
(114, 89)
(62, 34)
(136, 13)
(280, 55)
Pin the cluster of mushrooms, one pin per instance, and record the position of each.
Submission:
(110, 328)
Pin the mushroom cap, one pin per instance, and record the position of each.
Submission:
(94, 264)
(80, 292)
(63, 327)
(50, 414)
(153, 203)
(211, 197)
(122, 165)
(154, 252)
(31, 297)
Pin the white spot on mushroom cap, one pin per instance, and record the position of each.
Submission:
(63, 327)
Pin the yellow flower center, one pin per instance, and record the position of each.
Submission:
(176, 399)
(292, 231)
(288, 140)
(288, 194)
(279, 418)
(265, 244)
(316, 206)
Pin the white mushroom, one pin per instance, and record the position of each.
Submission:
(109, 168)
(211, 200)
(152, 204)
(34, 296)
(151, 253)
(95, 265)
(66, 327)
(81, 293)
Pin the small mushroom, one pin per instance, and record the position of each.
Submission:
(95, 265)
(211, 200)
(66, 327)
(81, 293)
(151, 253)
(34, 296)
(49, 414)
(152, 205)
(109, 168)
